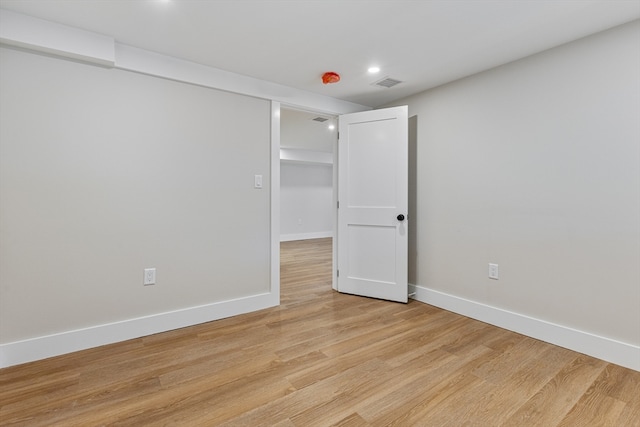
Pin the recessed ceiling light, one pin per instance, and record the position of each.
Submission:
(332, 127)
(374, 70)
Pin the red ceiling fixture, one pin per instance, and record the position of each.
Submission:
(330, 77)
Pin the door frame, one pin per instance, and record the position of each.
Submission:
(276, 108)
(275, 204)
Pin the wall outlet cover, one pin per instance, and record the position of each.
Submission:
(149, 276)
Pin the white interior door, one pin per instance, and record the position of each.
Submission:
(372, 233)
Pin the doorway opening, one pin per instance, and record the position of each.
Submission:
(307, 199)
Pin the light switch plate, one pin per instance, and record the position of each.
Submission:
(494, 273)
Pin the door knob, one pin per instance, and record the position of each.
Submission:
(400, 217)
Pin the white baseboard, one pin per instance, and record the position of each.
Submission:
(607, 349)
(19, 352)
(306, 236)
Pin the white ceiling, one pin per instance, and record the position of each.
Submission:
(422, 43)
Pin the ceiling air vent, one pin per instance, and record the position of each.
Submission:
(320, 119)
(387, 82)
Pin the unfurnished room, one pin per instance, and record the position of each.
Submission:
(320, 213)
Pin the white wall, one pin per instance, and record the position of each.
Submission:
(300, 131)
(157, 115)
(306, 186)
(535, 166)
(305, 201)
(105, 172)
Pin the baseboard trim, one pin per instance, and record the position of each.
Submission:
(19, 352)
(607, 349)
(306, 236)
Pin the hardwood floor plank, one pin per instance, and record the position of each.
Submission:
(440, 400)
(37, 386)
(630, 415)
(352, 420)
(518, 384)
(619, 383)
(365, 380)
(77, 408)
(385, 349)
(316, 394)
(324, 358)
(411, 402)
(594, 409)
(551, 403)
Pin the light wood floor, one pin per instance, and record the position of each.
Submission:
(323, 359)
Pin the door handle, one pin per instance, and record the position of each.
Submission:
(400, 217)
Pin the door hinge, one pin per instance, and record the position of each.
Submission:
(337, 273)
(338, 204)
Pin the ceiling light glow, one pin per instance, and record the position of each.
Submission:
(374, 70)
(332, 127)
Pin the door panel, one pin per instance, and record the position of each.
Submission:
(372, 177)
(371, 257)
(372, 192)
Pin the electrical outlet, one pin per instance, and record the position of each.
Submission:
(493, 271)
(149, 276)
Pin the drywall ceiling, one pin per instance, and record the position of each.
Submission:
(421, 43)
